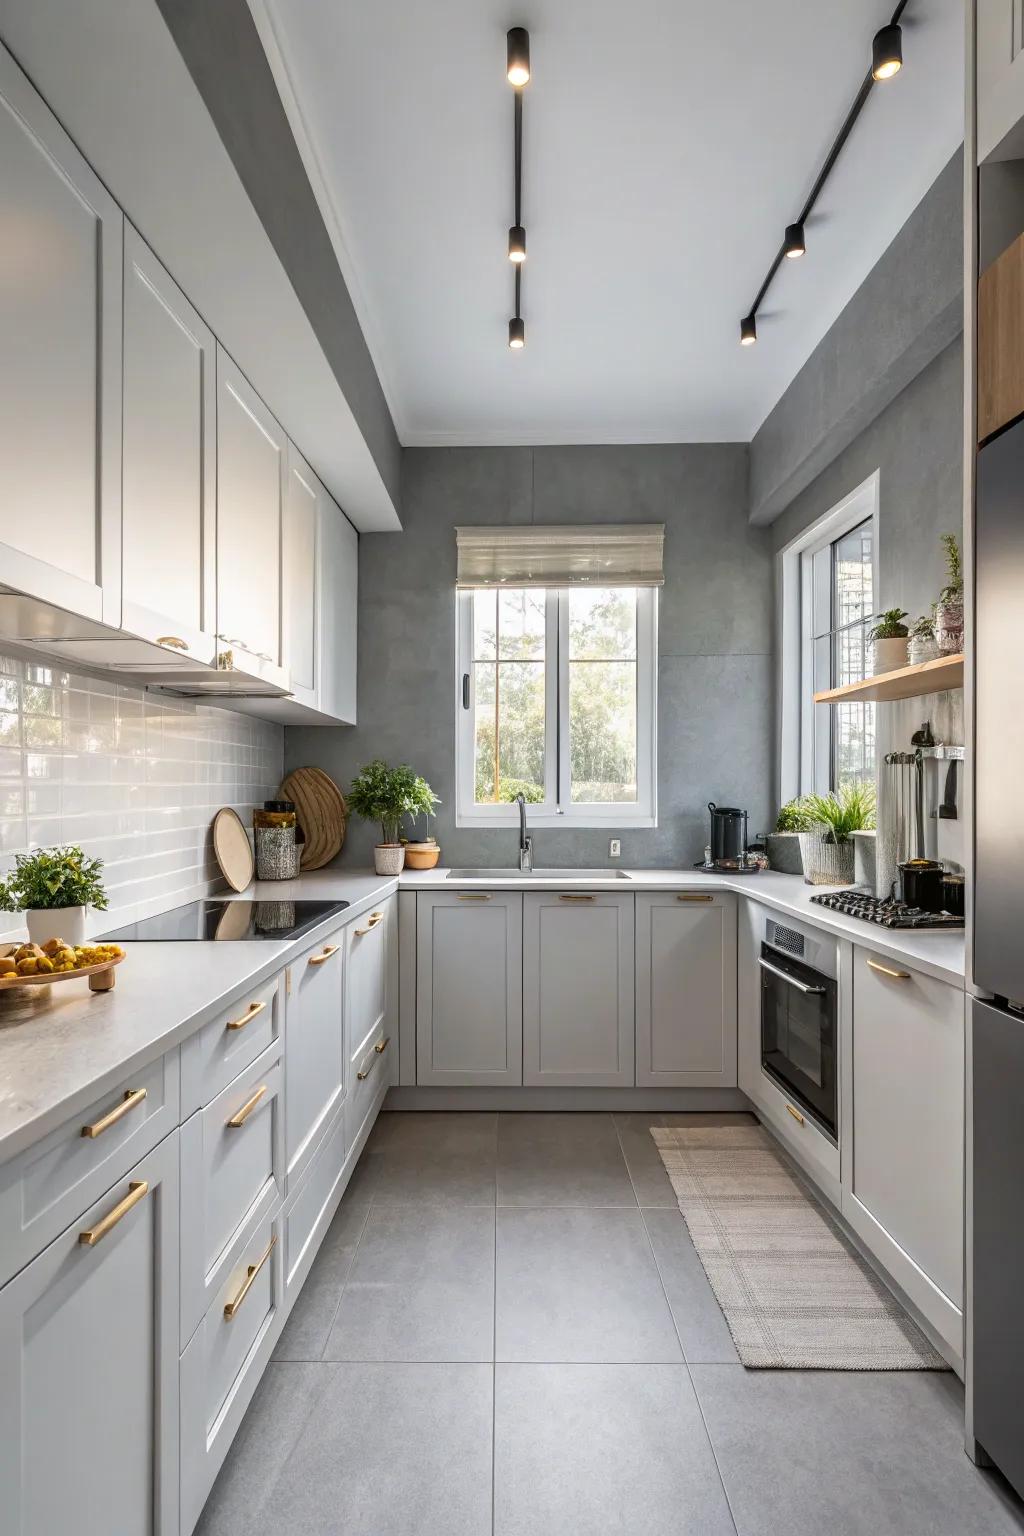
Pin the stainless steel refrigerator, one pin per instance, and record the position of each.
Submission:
(997, 1362)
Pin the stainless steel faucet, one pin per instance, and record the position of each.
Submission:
(525, 843)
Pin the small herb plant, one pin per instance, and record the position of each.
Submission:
(924, 627)
(385, 795)
(793, 817)
(890, 625)
(846, 810)
(49, 879)
(953, 591)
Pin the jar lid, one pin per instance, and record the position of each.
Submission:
(279, 805)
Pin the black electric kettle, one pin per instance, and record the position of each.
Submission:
(728, 834)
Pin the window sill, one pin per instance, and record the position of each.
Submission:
(548, 821)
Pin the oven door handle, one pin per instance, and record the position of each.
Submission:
(794, 981)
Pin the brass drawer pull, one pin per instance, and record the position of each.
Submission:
(691, 896)
(133, 1097)
(797, 1116)
(472, 896)
(232, 1306)
(378, 1050)
(246, 1109)
(887, 970)
(173, 641)
(137, 1190)
(324, 955)
(574, 896)
(247, 1017)
(375, 918)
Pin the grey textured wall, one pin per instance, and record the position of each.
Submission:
(714, 670)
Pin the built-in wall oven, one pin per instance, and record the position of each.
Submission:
(799, 1034)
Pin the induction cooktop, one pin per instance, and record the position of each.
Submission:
(229, 921)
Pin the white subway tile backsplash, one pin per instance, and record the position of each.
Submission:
(134, 778)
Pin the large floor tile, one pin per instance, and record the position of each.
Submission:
(312, 1316)
(700, 1323)
(579, 1285)
(646, 1170)
(393, 1450)
(848, 1453)
(285, 1401)
(593, 1449)
(561, 1159)
(437, 1159)
(421, 1287)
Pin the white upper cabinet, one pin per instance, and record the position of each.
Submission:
(686, 990)
(1000, 65)
(60, 383)
(169, 487)
(338, 577)
(251, 461)
(303, 497)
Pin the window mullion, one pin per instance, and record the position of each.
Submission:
(564, 784)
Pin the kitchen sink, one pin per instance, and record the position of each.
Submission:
(537, 874)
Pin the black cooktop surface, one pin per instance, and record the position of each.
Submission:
(888, 914)
(230, 921)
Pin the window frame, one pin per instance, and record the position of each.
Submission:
(806, 737)
(557, 809)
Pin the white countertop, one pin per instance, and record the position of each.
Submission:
(59, 1059)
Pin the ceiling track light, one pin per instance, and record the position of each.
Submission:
(886, 61)
(518, 74)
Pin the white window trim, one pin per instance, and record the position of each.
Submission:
(557, 809)
(794, 625)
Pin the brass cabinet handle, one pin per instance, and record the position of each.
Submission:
(174, 641)
(324, 955)
(232, 1306)
(797, 1116)
(246, 1109)
(137, 1190)
(374, 919)
(133, 1097)
(378, 1050)
(247, 1017)
(472, 896)
(887, 970)
(692, 896)
(574, 896)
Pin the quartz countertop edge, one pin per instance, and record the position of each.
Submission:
(63, 1059)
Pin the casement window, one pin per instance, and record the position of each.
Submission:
(556, 688)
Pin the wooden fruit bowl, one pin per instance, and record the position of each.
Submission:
(101, 977)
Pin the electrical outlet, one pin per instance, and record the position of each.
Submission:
(614, 848)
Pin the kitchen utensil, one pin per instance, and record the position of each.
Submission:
(921, 882)
(728, 834)
(232, 848)
(274, 840)
(321, 811)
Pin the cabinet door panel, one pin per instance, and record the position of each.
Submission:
(686, 990)
(315, 1047)
(469, 1009)
(60, 385)
(169, 489)
(338, 591)
(302, 511)
(250, 488)
(578, 1018)
(88, 1370)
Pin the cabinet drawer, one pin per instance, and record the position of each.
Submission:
(50, 1184)
(213, 1057)
(316, 1049)
(232, 1169)
(224, 1360)
(366, 950)
(309, 1210)
(370, 1072)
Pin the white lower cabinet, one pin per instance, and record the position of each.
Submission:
(578, 1014)
(469, 988)
(686, 990)
(89, 1368)
(315, 1047)
(308, 1212)
(371, 954)
(903, 1181)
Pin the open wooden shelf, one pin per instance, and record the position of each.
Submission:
(905, 683)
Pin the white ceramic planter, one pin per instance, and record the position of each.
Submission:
(56, 923)
(922, 648)
(890, 654)
(388, 858)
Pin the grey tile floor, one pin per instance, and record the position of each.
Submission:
(507, 1331)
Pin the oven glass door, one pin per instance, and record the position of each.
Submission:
(798, 1033)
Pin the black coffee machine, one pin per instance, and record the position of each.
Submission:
(728, 841)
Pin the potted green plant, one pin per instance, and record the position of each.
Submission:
(54, 887)
(923, 646)
(827, 844)
(783, 844)
(386, 795)
(890, 637)
(949, 611)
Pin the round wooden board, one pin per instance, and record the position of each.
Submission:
(321, 812)
(232, 848)
(50, 979)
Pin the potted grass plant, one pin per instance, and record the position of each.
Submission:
(783, 844)
(890, 638)
(386, 795)
(827, 845)
(949, 611)
(54, 887)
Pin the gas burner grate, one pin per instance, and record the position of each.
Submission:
(886, 913)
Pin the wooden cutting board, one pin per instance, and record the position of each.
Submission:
(321, 813)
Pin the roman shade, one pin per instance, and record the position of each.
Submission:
(608, 555)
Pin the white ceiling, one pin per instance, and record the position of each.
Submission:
(666, 145)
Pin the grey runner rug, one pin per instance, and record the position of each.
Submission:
(794, 1292)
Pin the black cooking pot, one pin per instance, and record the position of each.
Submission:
(728, 833)
(921, 880)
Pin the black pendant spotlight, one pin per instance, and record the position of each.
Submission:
(518, 75)
(886, 61)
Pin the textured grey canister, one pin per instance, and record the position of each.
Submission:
(784, 853)
(864, 859)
